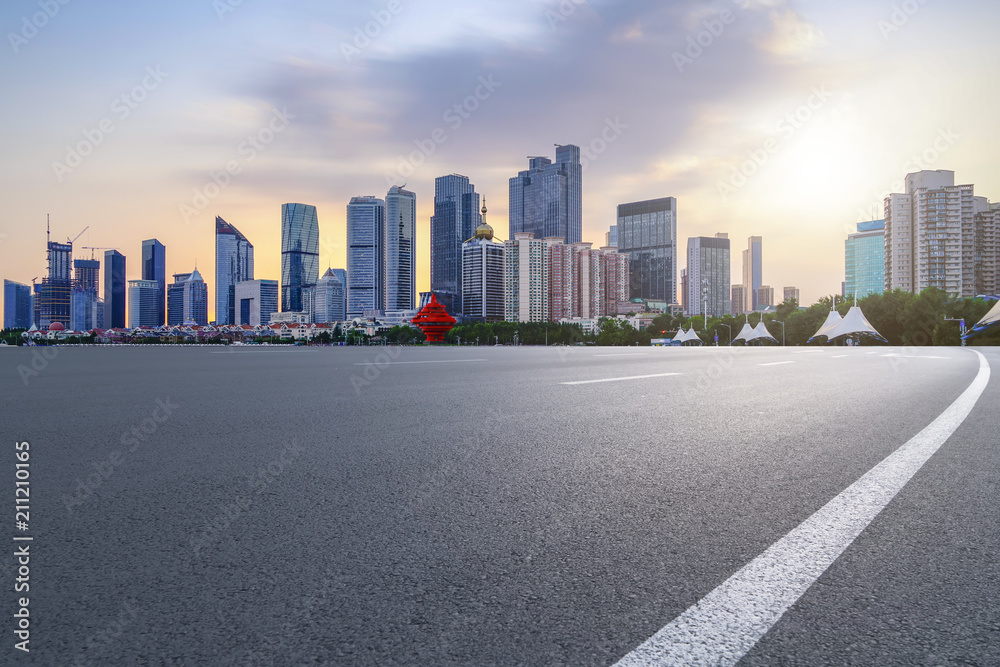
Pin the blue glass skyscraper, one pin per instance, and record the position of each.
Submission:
(400, 249)
(365, 227)
(17, 309)
(864, 259)
(233, 264)
(456, 216)
(154, 267)
(114, 289)
(299, 256)
(647, 233)
(547, 199)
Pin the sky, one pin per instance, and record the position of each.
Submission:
(774, 118)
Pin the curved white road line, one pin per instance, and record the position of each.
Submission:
(724, 625)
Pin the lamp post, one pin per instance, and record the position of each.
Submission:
(515, 339)
(730, 329)
(782, 332)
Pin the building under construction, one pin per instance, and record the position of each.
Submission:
(52, 297)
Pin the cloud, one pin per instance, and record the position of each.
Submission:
(791, 37)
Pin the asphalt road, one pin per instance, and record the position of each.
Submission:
(380, 506)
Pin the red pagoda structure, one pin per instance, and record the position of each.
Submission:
(434, 321)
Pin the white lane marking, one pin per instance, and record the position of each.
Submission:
(839, 356)
(777, 363)
(808, 351)
(912, 356)
(631, 377)
(434, 361)
(627, 354)
(725, 624)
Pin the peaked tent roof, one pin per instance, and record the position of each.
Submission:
(760, 332)
(689, 335)
(746, 333)
(854, 322)
(989, 321)
(832, 320)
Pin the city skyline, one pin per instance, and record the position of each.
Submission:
(780, 118)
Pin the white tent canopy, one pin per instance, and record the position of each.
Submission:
(761, 333)
(746, 333)
(685, 336)
(832, 320)
(990, 320)
(854, 323)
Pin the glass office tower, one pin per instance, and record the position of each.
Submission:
(299, 256)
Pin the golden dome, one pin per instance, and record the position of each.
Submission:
(484, 231)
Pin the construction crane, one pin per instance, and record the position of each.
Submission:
(71, 240)
(92, 248)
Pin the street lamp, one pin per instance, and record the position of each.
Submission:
(782, 331)
(515, 339)
(730, 331)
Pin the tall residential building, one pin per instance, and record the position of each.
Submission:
(17, 310)
(791, 293)
(708, 275)
(738, 300)
(864, 259)
(187, 299)
(331, 305)
(299, 255)
(257, 301)
(483, 275)
(930, 234)
(456, 216)
(647, 233)
(142, 297)
(987, 251)
(365, 226)
(526, 283)
(765, 297)
(154, 267)
(399, 261)
(114, 290)
(752, 273)
(546, 200)
(233, 264)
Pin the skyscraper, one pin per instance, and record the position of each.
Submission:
(987, 251)
(791, 293)
(86, 307)
(365, 226)
(114, 289)
(864, 259)
(526, 278)
(154, 267)
(331, 305)
(187, 299)
(299, 255)
(87, 274)
(752, 272)
(738, 300)
(456, 216)
(52, 297)
(483, 275)
(546, 200)
(257, 300)
(930, 234)
(142, 297)
(647, 233)
(233, 264)
(765, 296)
(17, 311)
(400, 249)
(708, 275)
